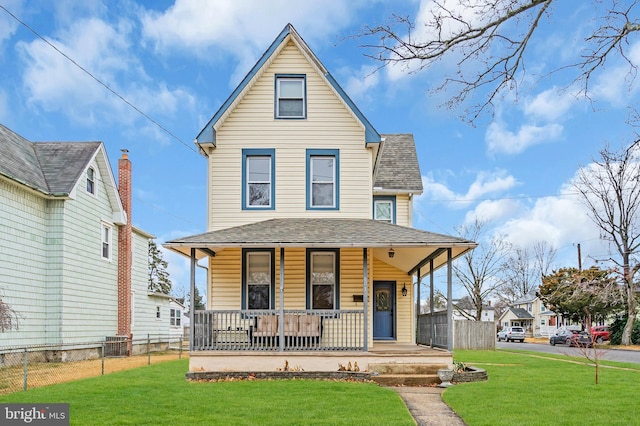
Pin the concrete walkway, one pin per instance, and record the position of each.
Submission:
(427, 406)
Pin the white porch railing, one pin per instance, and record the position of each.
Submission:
(268, 330)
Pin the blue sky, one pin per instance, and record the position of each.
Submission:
(177, 61)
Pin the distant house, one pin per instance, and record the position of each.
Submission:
(531, 313)
(488, 313)
(71, 263)
(310, 242)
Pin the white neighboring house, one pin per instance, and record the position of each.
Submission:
(71, 263)
(488, 313)
(531, 313)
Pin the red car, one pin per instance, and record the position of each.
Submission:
(600, 333)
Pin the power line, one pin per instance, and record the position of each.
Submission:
(106, 86)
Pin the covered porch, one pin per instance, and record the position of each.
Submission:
(375, 284)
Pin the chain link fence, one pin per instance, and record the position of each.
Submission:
(23, 368)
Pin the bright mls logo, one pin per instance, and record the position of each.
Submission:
(34, 414)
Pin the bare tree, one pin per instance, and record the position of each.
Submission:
(524, 269)
(479, 271)
(489, 40)
(610, 189)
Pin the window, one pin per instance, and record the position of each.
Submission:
(258, 290)
(158, 310)
(258, 179)
(91, 189)
(323, 273)
(175, 317)
(106, 241)
(323, 179)
(384, 209)
(290, 96)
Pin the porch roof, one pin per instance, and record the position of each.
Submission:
(413, 248)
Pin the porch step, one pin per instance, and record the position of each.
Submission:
(397, 368)
(406, 379)
(405, 374)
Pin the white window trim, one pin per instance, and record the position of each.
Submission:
(106, 226)
(302, 79)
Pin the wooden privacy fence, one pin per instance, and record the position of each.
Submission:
(474, 335)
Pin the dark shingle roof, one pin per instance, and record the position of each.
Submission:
(521, 313)
(52, 168)
(316, 231)
(398, 168)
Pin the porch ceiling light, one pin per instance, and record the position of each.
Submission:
(391, 253)
(404, 290)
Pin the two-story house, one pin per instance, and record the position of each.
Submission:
(72, 266)
(530, 313)
(312, 257)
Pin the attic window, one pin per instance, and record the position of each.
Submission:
(290, 96)
(91, 188)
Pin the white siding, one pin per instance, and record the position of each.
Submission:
(329, 125)
(23, 237)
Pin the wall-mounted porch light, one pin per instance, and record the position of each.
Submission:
(391, 253)
(404, 290)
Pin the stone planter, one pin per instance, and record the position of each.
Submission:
(445, 375)
(471, 374)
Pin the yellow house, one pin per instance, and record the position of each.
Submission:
(311, 255)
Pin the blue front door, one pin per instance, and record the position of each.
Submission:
(384, 303)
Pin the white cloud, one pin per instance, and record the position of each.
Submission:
(8, 25)
(502, 140)
(361, 82)
(550, 105)
(242, 28)
(54, 83)
(493, 211)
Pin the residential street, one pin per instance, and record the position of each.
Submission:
(608, 354)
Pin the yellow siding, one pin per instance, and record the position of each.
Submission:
(226, 275)
(402, 210)
(252, 125)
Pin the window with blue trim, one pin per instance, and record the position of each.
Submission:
(290, 96)
(258, 279)
(323, 279)
(258, 179)
(384, 208)
(323, 167)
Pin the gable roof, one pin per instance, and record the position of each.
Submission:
(208, 133)
(527, 298)
(521, 313)
(54, 169)
(397, 169)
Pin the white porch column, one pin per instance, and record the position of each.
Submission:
(365, 297)
(449, 304)
(432, 324)
(281, 325)
(417, 307)
(192, 299)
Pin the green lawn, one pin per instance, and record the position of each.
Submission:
(160, 395)
(538, 389)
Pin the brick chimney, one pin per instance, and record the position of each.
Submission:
(124, 249)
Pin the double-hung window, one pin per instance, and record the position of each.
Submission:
(106, 241)
(91, 185)
(258, 290)
(290, 99)
(384, 209)
(258, 179)
(323, 179)
(175, 317)
(323, 271)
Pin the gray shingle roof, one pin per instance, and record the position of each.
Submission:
(521, 313)
(398, 168)
(52, 168)
(322, 231)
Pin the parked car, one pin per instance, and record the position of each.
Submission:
(565, 336)
(510, 334)
(600, 333)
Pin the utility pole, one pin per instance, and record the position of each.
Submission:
(579, 259)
